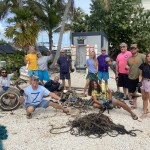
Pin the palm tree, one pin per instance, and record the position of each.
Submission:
(68, 5)
(23, 28)
(49, 14)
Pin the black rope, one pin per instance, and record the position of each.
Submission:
(95, 124)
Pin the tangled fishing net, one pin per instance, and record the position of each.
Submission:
(95, 124)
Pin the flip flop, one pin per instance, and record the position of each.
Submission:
(28, 116)
(134, 117)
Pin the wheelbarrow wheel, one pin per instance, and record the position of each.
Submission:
(9, 100)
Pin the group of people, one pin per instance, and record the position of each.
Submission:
(131, 71)
(131, 68)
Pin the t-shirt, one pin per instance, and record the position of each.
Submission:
(134, 62)
(52, 86)
(99, 96)
(33, 64)
(42, 62)
(145, 70)
(35, 96)
(5, 81)
(113, 66)
(91, 66)
(64, 63)
(122, 62)
(102, 65)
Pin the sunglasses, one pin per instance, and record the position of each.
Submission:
(133, 48)
(103, 50)
(4, 72)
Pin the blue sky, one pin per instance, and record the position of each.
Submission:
(43, 37)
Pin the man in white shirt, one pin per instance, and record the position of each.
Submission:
(5, 80)
(33, 98)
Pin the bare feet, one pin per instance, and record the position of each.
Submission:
(143, 116)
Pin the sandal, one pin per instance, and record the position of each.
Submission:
(133, 107)
(134, 117)
(29, 116)
(130, 102)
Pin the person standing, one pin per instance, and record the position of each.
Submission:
(103, 67)
(92, 65)
(133, 64)
(31, 60)
(145, 84)
(121, 71)
(64, 63)
(43, 67)
(112, 65)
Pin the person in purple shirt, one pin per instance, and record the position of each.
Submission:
(103, 67)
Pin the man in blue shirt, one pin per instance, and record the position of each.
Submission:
(65, 66)
(33, 98)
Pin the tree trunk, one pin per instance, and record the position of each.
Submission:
(50, 40)
(61, 32)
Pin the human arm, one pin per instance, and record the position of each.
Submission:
(53, 95)
(117, 69)
(94, 98)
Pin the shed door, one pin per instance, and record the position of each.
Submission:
(81, 57)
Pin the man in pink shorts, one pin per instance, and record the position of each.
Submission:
(121, 71)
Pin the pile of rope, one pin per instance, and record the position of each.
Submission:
(98, 125)
(95, 124)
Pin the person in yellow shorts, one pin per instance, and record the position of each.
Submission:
(31, 60)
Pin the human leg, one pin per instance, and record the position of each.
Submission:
(145, 98)
(57, 106)
(29, 111)
(125, 107)
(62, 77)
(67, 76)
(86, 86)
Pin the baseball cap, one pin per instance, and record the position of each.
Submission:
(35, 78)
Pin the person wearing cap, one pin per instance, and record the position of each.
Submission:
(64, 63)
(121, 71)
(33, 98)
(112, 65)
(31, 60)
(103, 73)
(133, 64)
(43, 67)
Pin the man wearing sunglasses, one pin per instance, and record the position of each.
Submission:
(5, 80)
(133, 64)
(121, 71)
